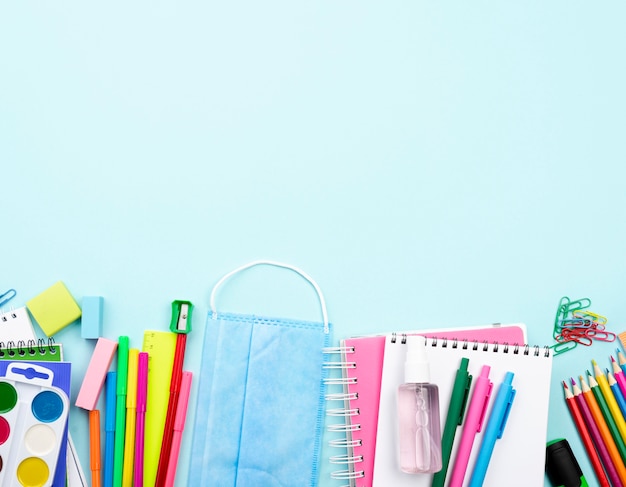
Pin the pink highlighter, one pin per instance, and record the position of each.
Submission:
(179, 425)
(142, 399)
(473, 424)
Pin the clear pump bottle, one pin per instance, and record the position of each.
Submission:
(419, 429)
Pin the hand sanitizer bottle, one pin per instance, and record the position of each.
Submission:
(419, 430)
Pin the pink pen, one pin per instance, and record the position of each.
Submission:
(142, 397)
(473, 424)
(179, 425)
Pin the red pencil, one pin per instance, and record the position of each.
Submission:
(585, 437)
(181, 324)
(168, 432)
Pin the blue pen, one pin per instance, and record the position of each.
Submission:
(495, 427)
(109, 427)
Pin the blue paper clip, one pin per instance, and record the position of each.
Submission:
(7, 296)
(573, 323)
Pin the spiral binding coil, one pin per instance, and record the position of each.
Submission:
(485, 346)
(32, 348)
(4, 317)
(349, 416)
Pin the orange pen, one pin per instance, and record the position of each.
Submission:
(94, 447)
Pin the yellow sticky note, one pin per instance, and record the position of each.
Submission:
(54, 309)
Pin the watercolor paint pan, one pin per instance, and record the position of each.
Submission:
(33, 416)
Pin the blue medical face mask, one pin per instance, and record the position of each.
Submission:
(260, 407)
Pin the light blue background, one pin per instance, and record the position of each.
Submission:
(430, 165)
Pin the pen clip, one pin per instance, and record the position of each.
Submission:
(482, 413)
(468, 383)
(509, 403)
(181, 316)
(7, 296)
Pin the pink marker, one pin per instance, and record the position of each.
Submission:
(142, 398)
(179, 425)
(473, 424)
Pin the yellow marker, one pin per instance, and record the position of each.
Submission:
(603, 383)
(131, 415)
(160, 346)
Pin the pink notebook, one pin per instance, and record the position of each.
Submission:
(363, 372)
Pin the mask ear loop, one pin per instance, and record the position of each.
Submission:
(303, 274)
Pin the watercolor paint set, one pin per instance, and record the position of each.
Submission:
(33, 418)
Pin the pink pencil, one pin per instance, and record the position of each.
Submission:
(179, 425)
(142, 397)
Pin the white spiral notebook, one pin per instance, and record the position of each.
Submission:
(520, 451)
(16, 328)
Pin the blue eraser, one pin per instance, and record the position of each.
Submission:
(91, 320)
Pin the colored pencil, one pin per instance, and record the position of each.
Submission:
(617, 392)
(590, 400)
(606, 413)
(601, 448)
(618, 373)
(585, 437)
(181, 325)
(605, 388)
(622, 360)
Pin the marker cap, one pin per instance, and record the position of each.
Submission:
(561, 465)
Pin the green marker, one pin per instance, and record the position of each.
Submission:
(120, 414)
(456, 411)
(561, 465)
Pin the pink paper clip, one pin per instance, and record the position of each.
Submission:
(602, 335)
